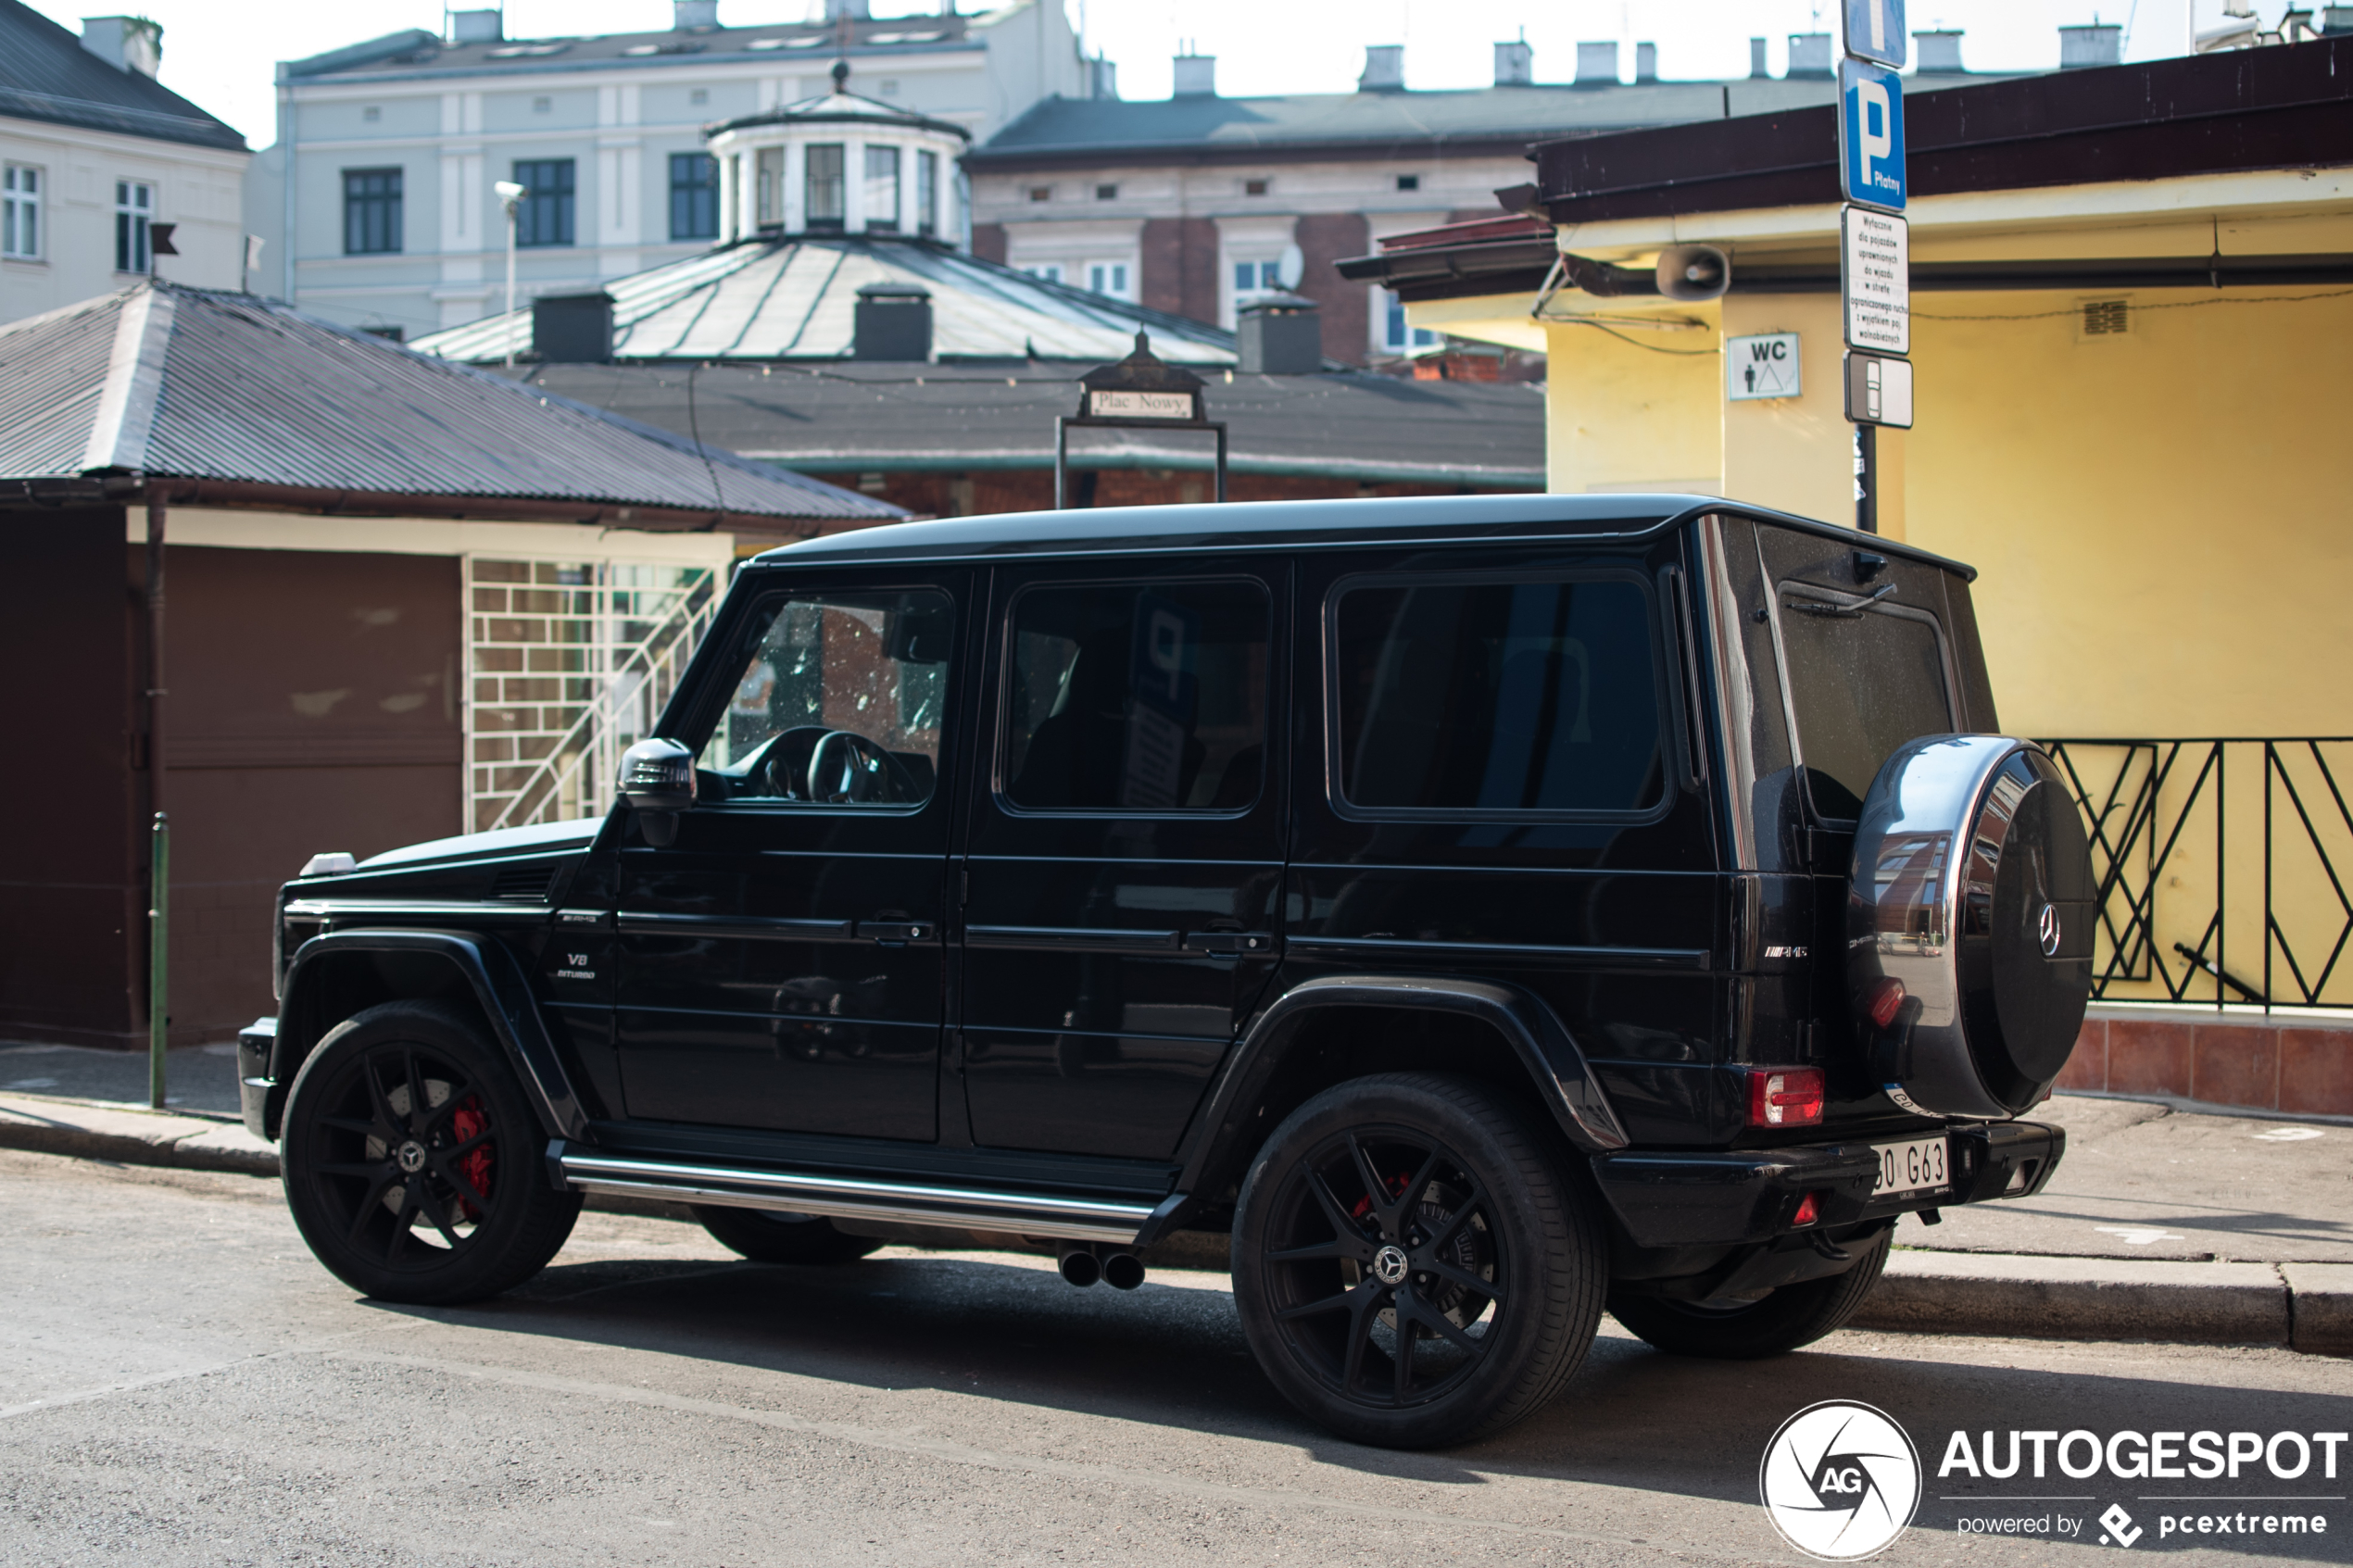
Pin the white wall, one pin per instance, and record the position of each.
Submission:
(197, 188)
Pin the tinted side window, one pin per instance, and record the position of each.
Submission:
(872, 665)
(1862, 684)
(1498, 696)
(1138, 699)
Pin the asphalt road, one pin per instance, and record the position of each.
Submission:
(180, 1383)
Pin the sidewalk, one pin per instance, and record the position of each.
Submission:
(2161, 1223)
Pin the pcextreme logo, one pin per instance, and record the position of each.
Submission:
(1840, 1480)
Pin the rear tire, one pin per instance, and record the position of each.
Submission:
(766, 1237)
(1793, 1315)
(414, 1165)
(1409, 1267)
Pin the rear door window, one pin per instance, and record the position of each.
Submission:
(1470, 696)
(1862, 682)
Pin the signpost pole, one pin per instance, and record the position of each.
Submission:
(1866, 477)
(1061, 463)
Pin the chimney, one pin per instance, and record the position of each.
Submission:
(1757, 69)
(689, 15)
(476, 27)
(572, 329)
(1196, 77)
(892, 322)
(1646, 62)
(1938, 51)
(1384, 68)
(1514, 65)
(1809, 54)
(2336, 22)
(1102, 78)
(1280, 334)
(1597, 64)
(854, 10)
(124, 43)
(2098, 43)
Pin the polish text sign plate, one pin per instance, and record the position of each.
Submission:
(1875, 273)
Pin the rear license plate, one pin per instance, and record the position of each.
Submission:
(1922, 1165)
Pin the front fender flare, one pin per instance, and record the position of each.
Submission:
(489, 970)
(1538, 1039)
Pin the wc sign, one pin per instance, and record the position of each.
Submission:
(1764, 366)
(1871, 133)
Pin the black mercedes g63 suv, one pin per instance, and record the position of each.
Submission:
(1487, 911)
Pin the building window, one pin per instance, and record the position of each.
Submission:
(768, 187)
(1257, 277)
(1108, 278)
(926, 193)
(1253, 187)
(1051, 271)
(372, 114)
(21, 213)
(882, 188)
(545, 215)
(541, 105)
(825, 185)
(371, 211)
(135, 209)
(1041, 192)
(1106, 193)
(694, 196)
(1409, 182)
(1396, 336)
(700, 95)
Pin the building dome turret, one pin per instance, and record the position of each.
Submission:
(838, 164)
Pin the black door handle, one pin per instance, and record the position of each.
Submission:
(896, 932)
(1228, 944)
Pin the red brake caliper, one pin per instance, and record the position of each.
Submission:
(466, 1121)
(1396, 1186)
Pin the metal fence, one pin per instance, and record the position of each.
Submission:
(2222, 866)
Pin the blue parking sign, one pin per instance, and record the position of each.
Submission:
(1875, 31)
(1870, 135)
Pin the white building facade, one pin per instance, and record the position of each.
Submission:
(101, 166)
(379, 197)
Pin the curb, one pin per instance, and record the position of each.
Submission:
(2306, 1307)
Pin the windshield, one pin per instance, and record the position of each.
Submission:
(1861, 685)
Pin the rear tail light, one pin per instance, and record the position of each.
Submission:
(1808, 1211)
(1784, 1097)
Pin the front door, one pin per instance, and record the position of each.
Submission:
(782, 962)
(1126, 852)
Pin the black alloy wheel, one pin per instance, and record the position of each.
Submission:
(1410, 1269)
(411, 1160)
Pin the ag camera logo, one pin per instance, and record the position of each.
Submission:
(1840, 1480)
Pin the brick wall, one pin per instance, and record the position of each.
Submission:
(1178, 267)
(1324, 239)
(2303, 1068)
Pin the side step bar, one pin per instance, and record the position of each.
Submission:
(1066, 1219)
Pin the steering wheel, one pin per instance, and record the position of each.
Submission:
(847, 768)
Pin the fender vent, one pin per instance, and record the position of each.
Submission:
(523, 884)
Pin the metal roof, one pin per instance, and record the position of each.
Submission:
(188, 383)
(863, 417)
(45, 74)
(1108, 130)
(416, 53)
(795, 299)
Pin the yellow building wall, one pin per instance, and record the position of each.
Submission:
(1633, 411)
(1796, 453)
(2161, 519)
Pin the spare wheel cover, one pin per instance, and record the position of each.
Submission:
(1972, 886)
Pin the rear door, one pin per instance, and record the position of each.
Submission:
(1125, 847)
(783, 962)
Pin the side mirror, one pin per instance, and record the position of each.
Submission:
(657, 780)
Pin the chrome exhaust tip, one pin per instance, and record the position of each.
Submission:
(1123, 1271)
(1082, 1268)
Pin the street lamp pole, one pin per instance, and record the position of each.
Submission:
(510, 194)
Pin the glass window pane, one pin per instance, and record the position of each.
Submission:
(874, 666)
(825, 194)
(1862, 685)
(1499, 696)
(882, 188)
(1138, 699)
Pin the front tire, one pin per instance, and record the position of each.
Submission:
(1793, 1315)
(414, 1165)
(1409, 1267)
(766, 1237)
